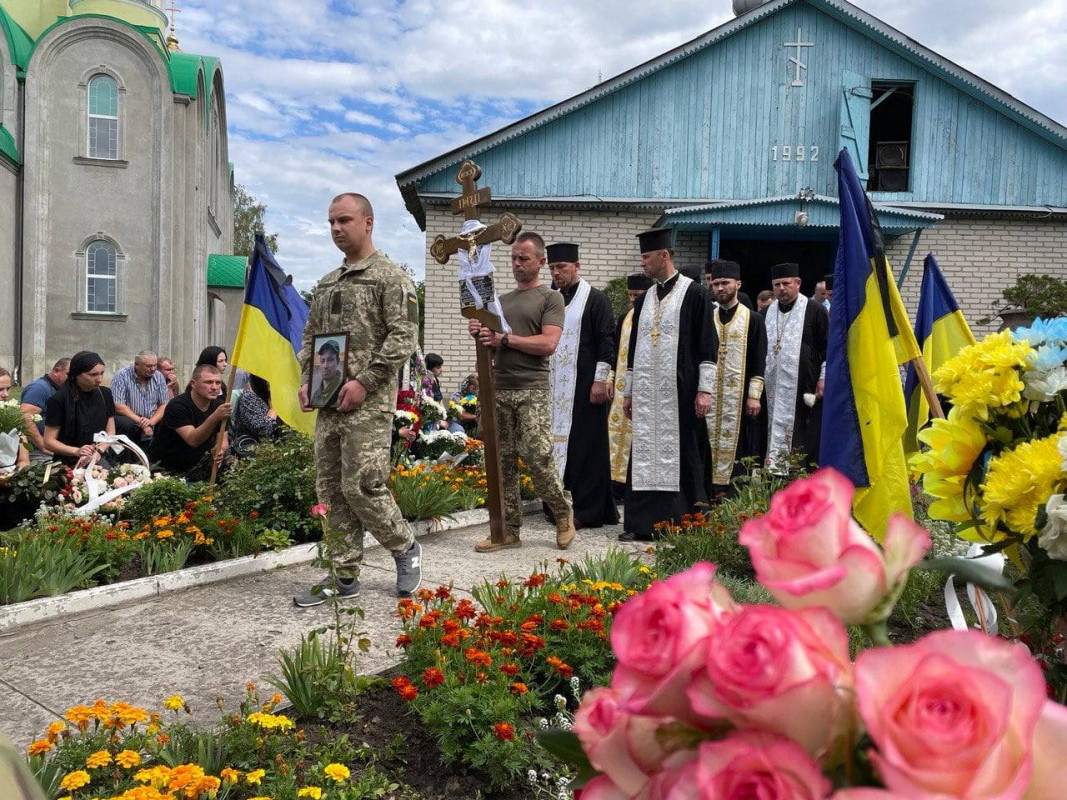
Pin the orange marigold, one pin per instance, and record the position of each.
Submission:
(403, 640)
(510, 670)
(408, 693)
(559, 625)
(519, 688)
(477, 657)
(504, 732)
(432, 677)
(39, 747)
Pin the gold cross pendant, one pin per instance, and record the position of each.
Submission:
(655, 336)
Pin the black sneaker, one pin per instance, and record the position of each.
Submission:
(409, 570)
(321, 592)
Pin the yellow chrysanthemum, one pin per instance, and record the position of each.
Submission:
(128, 759)
(337, 772)
(314, 792)
(75, 780)
(270, 722)
(255, 777)
(954, 445)
(101, 758)
(1018, 483)
(986, 375)
(174, 703)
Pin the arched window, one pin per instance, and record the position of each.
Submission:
(101, 278)
(216, 154)
(104, 117)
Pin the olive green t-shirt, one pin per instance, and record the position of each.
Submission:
(527, 312)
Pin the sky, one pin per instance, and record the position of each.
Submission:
(324, 96)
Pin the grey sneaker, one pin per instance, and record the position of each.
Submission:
(321, 592)
(409, 570)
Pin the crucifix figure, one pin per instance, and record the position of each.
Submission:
(475, 292)
(797, 60)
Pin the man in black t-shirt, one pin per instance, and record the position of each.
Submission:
(184, 438)
(78, 411)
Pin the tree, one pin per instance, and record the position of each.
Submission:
(247, 219)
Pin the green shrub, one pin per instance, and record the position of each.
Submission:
(278, 485)
(617, 295)
(35, 565)
(315, 676)
(166, 496)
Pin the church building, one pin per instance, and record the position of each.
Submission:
(730, 140)
(116, 192)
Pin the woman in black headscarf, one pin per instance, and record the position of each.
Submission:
(82, 408)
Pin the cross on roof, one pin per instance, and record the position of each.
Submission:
(172, 10)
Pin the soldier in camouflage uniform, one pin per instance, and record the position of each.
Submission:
(373, 300)
(520, 374)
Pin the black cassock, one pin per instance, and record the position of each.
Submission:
(807, 425)
(697, 343)
(751, 442)
(588, 473)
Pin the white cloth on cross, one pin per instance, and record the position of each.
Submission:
(481, 267)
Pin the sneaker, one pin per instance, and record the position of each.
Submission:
(409, 570)
(511, 541)
(321, 592)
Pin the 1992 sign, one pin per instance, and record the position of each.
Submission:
(788, 152)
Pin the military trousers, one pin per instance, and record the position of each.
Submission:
(352, 460)
(524, 426)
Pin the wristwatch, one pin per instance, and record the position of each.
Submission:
(504, 340)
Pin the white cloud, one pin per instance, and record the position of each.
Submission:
(334, 95)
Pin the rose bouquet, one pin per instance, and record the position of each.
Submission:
(995, 466)
(714, 699)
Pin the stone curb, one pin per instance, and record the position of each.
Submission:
(45, 609)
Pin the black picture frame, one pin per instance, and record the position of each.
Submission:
(316, 396)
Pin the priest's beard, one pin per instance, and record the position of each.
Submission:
(726, 299)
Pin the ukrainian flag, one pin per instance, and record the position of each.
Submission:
(272, 326)
(941, 332)
(870, 335)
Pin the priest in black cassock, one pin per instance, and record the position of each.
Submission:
(667, 393)
(619, 429)
(579, 373)
(734, 428)
(797, 328)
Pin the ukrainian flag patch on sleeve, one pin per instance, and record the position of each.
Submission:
(413, 307)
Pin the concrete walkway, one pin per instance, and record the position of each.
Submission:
(208, 642)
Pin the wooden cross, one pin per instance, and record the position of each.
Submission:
(467, 204)
(442, 249)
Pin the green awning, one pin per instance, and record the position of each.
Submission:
(7, 145)
(226, 271)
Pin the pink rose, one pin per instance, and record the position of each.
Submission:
(871, 794)
(808, 551)
(751, 764)
(320, 510)
(787, 672)
(955, 715)
(622, 746)
(657, 638)
(676, 781)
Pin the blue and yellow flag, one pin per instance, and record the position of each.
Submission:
(941, 332)
(870, 336)
(272, 325)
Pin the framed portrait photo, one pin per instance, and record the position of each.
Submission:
(328, 364)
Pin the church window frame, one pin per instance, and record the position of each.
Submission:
(103, 117)
(101, 278)
(216, 154)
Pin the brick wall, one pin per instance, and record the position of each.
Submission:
(980, 257)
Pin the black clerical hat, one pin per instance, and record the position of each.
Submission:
(655, 239)
(638, 280)
(829, 281)
(566, 252)
(721, 268)
(693, 273)
(785, 271)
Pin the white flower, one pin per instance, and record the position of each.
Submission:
(1053, 538)
(1044, 386)
(560, 701)
(1062, 447)
(531, 777)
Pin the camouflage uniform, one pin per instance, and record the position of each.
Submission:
(524, 420)
(375, 301)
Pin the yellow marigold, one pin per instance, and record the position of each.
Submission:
(101, 758)
(337, 772)
(80, 716)
(986, 375)
(144, 793)
(208, 786)
(166, 533)
(174, 703)
(276, 698)
(185, 776)
(270, 722)
(128, 759)
(259, 797)
(75, 780)
(157, 776)
(314, 792)
(954, 445)
(55, 729)
(254, 777)
(1018, 483)
(39, 747)
(230, 775)
(123, 714)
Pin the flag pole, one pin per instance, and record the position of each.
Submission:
(927, 383)
(222, 428)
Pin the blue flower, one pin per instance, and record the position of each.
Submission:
(1052, 332)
